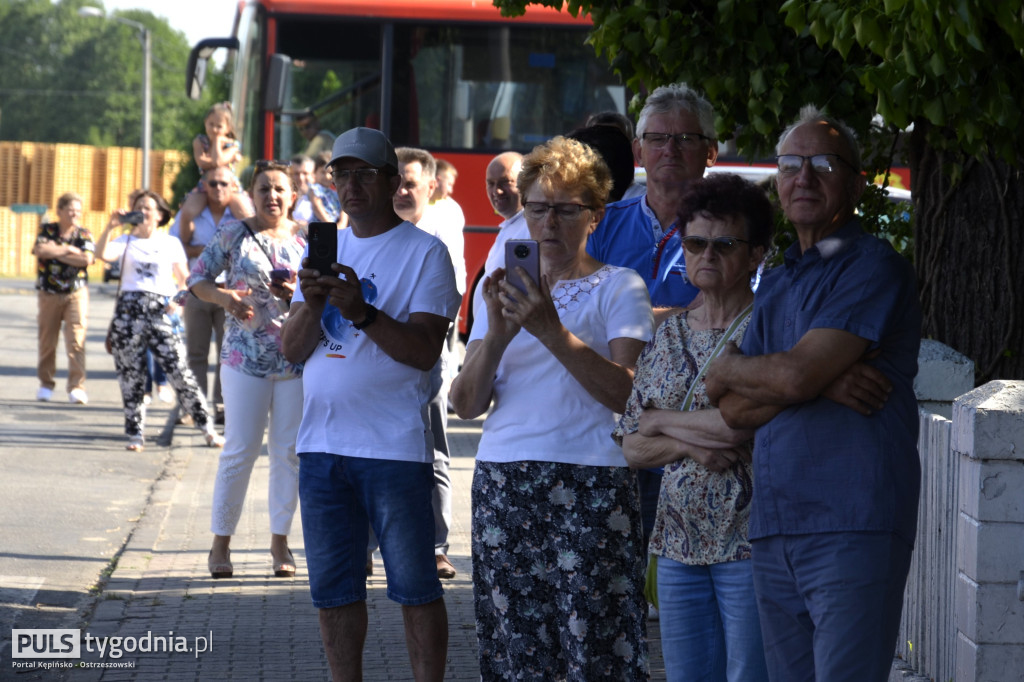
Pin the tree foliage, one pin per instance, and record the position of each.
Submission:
(950, 72)
(66, 78)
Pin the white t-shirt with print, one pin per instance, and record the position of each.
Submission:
(149, 263)
(541, 413)
(357, 400)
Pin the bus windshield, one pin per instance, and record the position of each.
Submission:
(470, 86)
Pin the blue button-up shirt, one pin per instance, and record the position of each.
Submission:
(819, 466)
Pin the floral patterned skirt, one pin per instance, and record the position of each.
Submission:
(558, 572)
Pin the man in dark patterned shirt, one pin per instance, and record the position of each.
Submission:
(64, 250)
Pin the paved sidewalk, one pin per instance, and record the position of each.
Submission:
(256, 626)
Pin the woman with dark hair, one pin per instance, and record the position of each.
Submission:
(259, 257)
(705, 589)
(153, 271)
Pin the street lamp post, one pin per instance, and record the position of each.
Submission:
(147, 95)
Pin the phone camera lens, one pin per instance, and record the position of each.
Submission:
(522, 251)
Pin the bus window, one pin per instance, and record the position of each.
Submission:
(480, 87)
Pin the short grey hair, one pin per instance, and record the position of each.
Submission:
(677, 97)
(416, 155)
(810, 113)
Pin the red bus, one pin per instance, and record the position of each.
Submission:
(451, 76)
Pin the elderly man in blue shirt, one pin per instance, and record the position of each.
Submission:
(825, 374)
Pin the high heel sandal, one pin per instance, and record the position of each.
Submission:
(286, 568)
(135, 444)
(214, 440)
(220, 570)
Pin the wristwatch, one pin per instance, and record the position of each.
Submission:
(371, 315)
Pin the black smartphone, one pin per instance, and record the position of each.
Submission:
(280, 275)
(132, 218)
(323, 247)
(523, 253)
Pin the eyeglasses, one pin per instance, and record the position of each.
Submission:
(216, 183)
(537, 210)
(790, 164)
(723, 246)
(687, 141)
(363, 176)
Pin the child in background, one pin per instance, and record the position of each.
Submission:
(322, 195)
(217, 147)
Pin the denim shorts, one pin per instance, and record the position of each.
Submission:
(341, 498)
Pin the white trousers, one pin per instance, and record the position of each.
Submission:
(250, 405)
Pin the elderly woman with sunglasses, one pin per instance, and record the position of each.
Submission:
(260, 257)
(705, 590)
(557, 556)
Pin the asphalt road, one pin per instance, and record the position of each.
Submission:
(70, 493)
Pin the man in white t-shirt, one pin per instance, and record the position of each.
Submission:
(369, 332)
(503, 193)
(417, 169)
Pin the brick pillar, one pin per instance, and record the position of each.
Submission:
(988, 436)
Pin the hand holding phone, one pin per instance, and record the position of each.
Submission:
(523, 253)
(131, 218)
(280, 275)
(323, 247)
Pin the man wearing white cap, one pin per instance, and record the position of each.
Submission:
(369, 333)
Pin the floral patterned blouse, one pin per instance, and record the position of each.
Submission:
(702, 515)
(55, 276)
(252, 346)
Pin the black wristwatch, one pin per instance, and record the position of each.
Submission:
(371, 315)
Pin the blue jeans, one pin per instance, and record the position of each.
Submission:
(830, 604)
(342, 497)
(709, 625)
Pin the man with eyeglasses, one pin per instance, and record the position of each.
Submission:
(826, 377)
(369, 332)
(418, 171)
(675, 143)
(205, 321)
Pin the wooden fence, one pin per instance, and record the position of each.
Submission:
(36, 173)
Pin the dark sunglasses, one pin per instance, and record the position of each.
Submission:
(723, 246)
(217, 183)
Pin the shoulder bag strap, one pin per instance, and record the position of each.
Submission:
(120, 271)
(726, 337)
(259, 244)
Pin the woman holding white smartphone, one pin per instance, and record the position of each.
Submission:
(556, 511)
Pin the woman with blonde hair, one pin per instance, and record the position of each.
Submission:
(557, 555)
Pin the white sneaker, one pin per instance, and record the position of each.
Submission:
(44, 394)
(78, 396)
(147, 399)
(165, 393)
